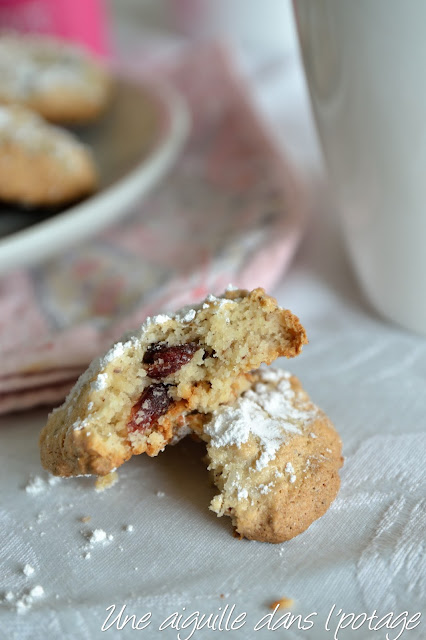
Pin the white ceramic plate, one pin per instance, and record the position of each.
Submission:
(134, 144)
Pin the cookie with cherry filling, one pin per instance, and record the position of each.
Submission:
(275, 458)
(147, 389)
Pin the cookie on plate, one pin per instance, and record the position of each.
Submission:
(145, 391)
(41, 165)
(274, 457)
(58, 80)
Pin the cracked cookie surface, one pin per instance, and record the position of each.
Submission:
(150, 386)
(274, 456)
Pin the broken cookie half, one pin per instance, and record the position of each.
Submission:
(274, 456)
(146, 390)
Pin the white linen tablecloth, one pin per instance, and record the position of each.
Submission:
(367, 553)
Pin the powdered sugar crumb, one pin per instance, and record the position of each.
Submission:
(100, 382)
(290, 470)
(189, 316)
(25, 601)
(160, 494)
(116, 351)
(28, 570)
(161, 318)
(266, 488)
(242, 494)
(38, 485)
(97, 536)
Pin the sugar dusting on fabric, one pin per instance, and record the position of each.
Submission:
(39, 485)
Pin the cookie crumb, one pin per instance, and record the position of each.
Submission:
(283, 603)
(86, 519)
(105, 482)
(160, 494)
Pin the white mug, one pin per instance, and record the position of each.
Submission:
(365, 62)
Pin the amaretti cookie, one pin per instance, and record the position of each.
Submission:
(274, 457)
(146, 390)
(41, 165)
(58, 80)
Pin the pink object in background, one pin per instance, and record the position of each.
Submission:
(82, 21)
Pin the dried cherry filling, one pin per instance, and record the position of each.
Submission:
(162, 360)
(153, 403)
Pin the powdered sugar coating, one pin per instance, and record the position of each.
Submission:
(101, 382)
(35, 65)
(268, 412)
(273, 479)
(21, 126)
